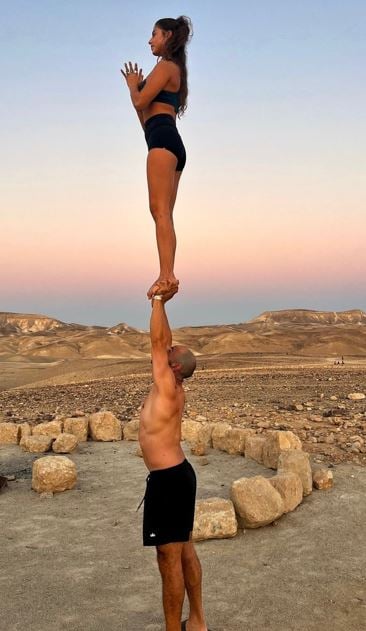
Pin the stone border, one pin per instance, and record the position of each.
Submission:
(254, 501)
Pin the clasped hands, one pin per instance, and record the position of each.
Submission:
(163, 286)
(132, 74)
(166, 296)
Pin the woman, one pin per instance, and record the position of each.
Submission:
(157, 100)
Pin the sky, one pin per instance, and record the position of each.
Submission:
(270, 212)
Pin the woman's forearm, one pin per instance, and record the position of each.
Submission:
(141, 118)
(135, 95)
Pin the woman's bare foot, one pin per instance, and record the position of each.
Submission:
(163, 286)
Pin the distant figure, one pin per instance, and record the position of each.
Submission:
(157, 99)
(342, 361)
(169, 500)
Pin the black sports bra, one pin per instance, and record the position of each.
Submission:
(165, 96)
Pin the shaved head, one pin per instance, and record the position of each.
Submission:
(181, 356)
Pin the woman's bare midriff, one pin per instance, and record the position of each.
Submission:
(158, 108)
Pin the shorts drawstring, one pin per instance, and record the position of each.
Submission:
(143, 499)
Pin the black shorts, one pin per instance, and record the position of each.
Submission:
(169, 505)
(161, 132)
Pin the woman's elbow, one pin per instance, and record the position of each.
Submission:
(140, 104)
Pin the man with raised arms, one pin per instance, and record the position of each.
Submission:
(171, 484)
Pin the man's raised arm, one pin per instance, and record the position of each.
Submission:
(160, 333)
(161, 342)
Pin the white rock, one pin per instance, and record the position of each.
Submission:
(36, 444)
(105, 426)
(51, 428)
(194, 432)
(254, 448)
(231, 439)
(298, 462)
(77, 426)
(356, 396)
(257, 502)
(289, 486)
(277, 442)
(9, 433)
(322, 477)
(214, 519)
(25, 430)
(131, 430)
(53, 473)
(218, 433)
(65, 443)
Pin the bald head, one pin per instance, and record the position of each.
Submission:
(182, 360)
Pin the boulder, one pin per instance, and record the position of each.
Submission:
(36, 444)
(214, 519)
(194, 432)
(218, 432)
(79, 427)
(356, 396)
(289, 486)
(276, 442)
(65, 443)
(254, 448)
(52, 429)
(9, 433)
(234, 440)
(53, 473)
(297, 462)
(25, 430)
(131, 430)
(322, 478)
(105, 426)
(257, 502)
(231, 439)
(298, 407)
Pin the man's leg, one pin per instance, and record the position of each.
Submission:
(193, 582)
(170, 566)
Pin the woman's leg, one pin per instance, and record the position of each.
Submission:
(163, 184)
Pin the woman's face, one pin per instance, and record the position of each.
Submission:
(157, 41)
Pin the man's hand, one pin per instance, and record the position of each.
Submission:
(132, 75)
(167, 296)
(161, 287)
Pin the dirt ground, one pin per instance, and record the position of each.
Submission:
(308, 396)
(76, 561)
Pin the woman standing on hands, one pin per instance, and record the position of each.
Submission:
(157, 100)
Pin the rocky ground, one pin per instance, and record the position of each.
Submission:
(311, 401)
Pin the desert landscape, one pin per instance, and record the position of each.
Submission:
(74, 559)
(291, 370)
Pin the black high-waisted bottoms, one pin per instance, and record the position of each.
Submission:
(169, 505)
(161, 132)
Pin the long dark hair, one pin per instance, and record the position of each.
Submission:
(175, 50)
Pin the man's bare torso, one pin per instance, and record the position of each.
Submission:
(160, 428)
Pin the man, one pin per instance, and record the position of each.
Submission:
(171, 484)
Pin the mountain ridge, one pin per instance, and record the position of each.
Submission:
(301, 331)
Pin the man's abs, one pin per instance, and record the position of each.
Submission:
(160, 434)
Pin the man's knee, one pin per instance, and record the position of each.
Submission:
(169, 554)
(188, 552)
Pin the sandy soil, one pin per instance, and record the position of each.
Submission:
(76, 561)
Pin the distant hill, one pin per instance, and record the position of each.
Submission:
(308, 316)
(295, 331)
